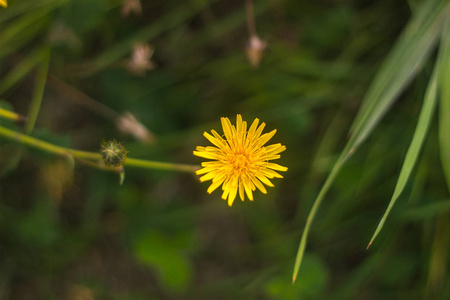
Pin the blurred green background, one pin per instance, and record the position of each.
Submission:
(80, 235)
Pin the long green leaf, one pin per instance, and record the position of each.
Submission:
(444, 105)
(21, 70)
(412, 49)
(25, 7)
(423, 124)
(19, 26)
(38, 92)
(22, 31)
(312, 214)
(403, 69)
(405, 60)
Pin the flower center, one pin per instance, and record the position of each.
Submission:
(240, 162)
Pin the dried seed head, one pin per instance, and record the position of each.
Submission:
(140, 62)
(255, 50)
(131, 6)
(113, 153)
(128, 124)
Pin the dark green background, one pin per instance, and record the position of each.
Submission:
(160, 235)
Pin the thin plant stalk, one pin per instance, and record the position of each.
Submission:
(38, 93)
(10, 115)
(250, 14)
(58, 150)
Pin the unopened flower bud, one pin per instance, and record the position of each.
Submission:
(113, 153)
(128, 124)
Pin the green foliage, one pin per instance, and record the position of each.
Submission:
(160, 252)
(313, 280)
(406, 58)
(350, 86)
(444, 108)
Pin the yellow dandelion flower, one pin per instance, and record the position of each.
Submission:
(240, 161)
(3, 3)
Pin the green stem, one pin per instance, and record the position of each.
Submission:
(132, 162)
(160, 165)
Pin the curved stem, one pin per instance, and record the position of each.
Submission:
(250, 17)
(51, 148)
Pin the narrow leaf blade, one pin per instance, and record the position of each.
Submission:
(423, 124)
(421, 34)
(444, 105)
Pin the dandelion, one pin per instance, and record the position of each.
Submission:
(240, 161)
(3, 3)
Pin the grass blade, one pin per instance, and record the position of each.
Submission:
(428, 211)
(444, 105)
(423, 124)
(404, 61)
(22, 31)
(25, 7)
(21, 70)
(402, 64)
(312, 214)
(38, 93)
(402, 69)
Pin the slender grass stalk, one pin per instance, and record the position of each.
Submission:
(444, 105)
(250, 15)
(92, 156)
(425, 118)
(405, 60)
(80, 98)
(311, 216)
(22, 69)
(38, 93)
(437, 271)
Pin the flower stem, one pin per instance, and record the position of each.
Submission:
(160, 165)
(51, 148)
(249, 11)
